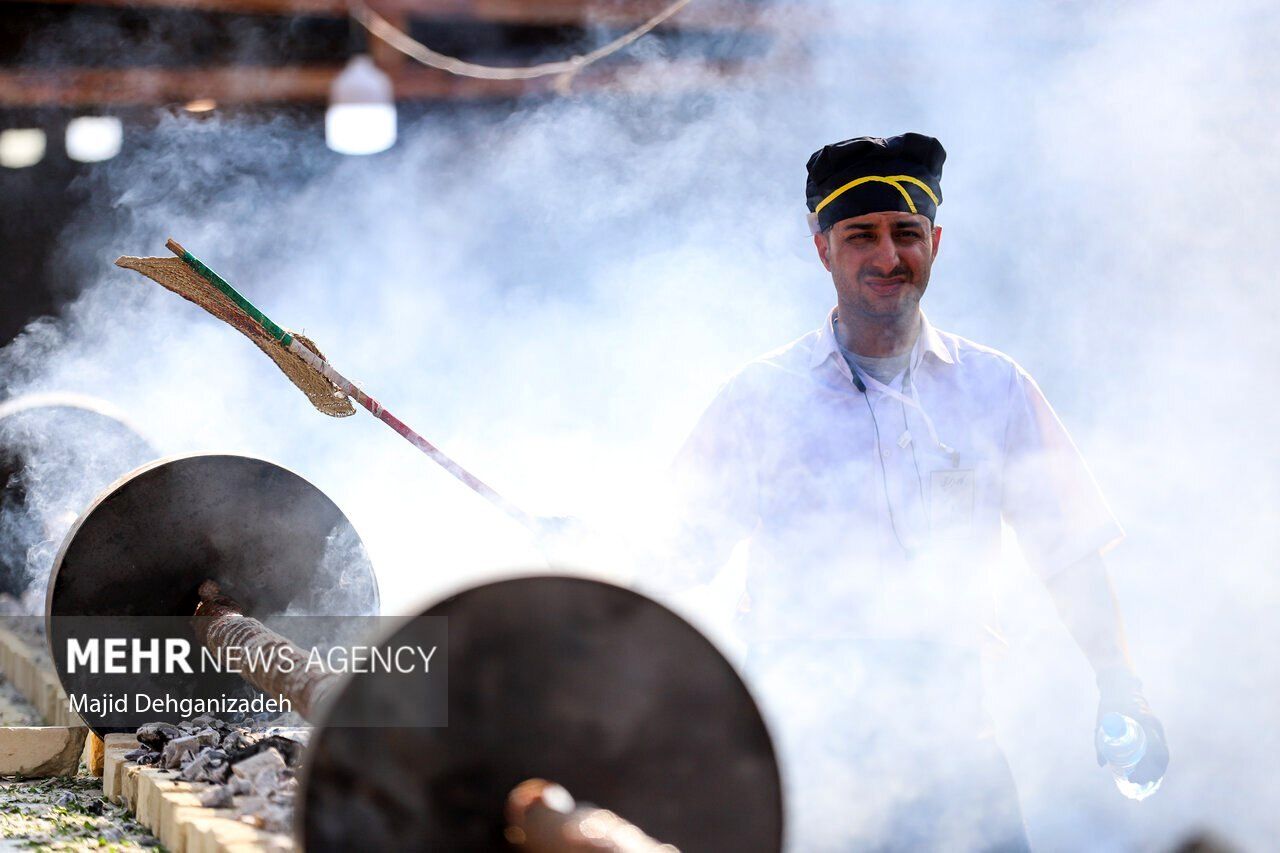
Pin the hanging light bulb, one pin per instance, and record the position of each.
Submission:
(92, 139)
(361, 118)
(21, 147)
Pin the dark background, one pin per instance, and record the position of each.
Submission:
(41, 205)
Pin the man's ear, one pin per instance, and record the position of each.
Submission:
(937, 239)
(820, 243)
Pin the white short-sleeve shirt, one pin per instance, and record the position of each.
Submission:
(877, 514)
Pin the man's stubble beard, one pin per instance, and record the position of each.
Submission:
(908, 300)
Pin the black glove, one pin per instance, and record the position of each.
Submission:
(1120, 692)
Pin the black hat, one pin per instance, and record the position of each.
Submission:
(868, 174)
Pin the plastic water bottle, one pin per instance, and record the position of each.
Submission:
(1123, 744)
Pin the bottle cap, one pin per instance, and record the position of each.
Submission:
(1114, 725)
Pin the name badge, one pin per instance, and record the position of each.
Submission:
(951, 500)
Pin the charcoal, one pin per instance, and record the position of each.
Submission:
(156, 735)
(208, 737)
(277, 818)
(297, 734)
(265, 784)
(250, 767)
(264, 814)
(176, 750)
(289, 748)
(196, 770)
(218, 769)
(217, 797)
(248, 807)
(237, 742)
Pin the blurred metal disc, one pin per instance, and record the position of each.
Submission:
(131, 565)
(57, 451)
(576, 681)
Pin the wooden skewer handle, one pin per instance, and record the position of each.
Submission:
(543, 818)
(221, 626)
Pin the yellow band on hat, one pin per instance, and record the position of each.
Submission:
(891, 180)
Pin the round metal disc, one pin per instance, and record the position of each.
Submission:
(131, 565)
(57, 451)
(571, 680)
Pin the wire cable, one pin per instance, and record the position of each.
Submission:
(416, 50)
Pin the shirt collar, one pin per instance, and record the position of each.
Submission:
(929, 342)
(932, 343)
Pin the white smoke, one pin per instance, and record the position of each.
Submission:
(551, 292)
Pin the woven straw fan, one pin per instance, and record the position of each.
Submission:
(296, 356)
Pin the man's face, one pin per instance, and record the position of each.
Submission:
(880, 262)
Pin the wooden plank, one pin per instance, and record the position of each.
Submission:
(114, 748)
(156, 86)
(41, 751)
(94, 755)
(50, 750)
(241, 85)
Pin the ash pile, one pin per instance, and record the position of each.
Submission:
(251, 769)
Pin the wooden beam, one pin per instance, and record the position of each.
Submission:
(713, 14)
(240, 85)
(322, 8)
(131, 86)
(231, 85)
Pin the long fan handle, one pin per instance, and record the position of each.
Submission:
(405, 431)
(375, 408)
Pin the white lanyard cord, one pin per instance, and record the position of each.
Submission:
(884, 480)
(913, 401)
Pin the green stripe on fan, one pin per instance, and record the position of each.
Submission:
(234, 295)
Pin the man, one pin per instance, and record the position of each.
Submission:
(869, 466)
